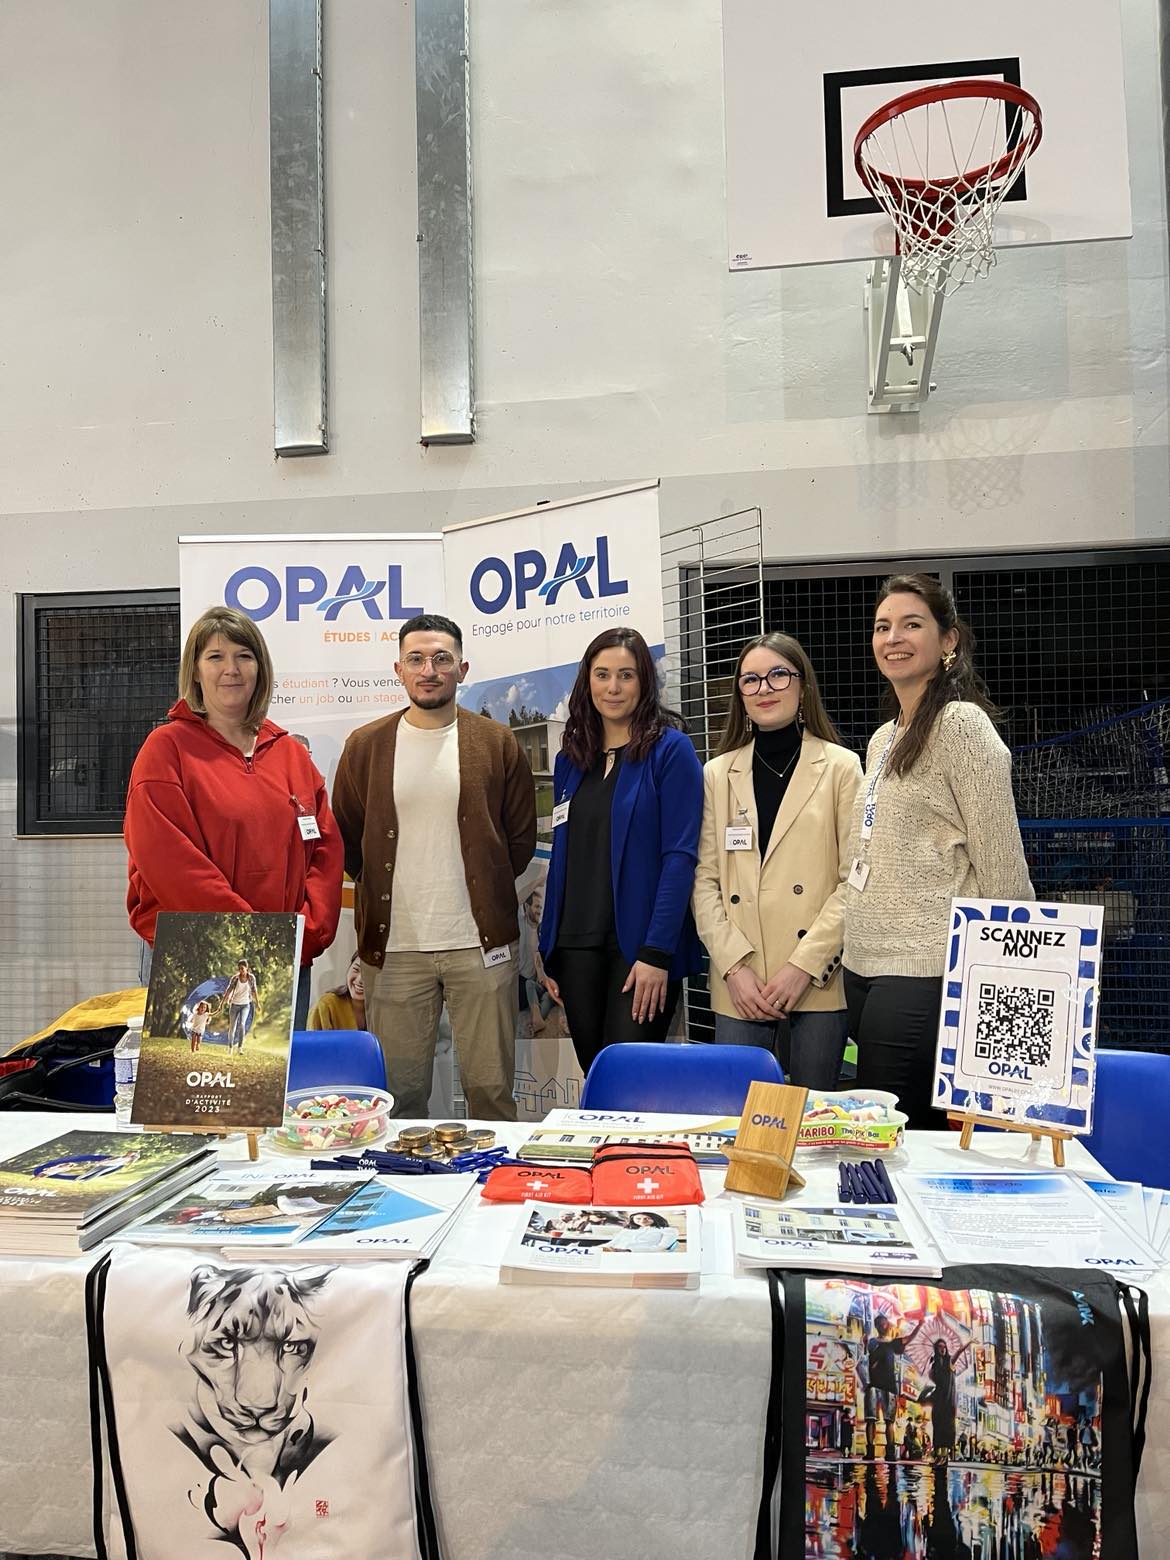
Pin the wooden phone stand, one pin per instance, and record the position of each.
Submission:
(760, 1160)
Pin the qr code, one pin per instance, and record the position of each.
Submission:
(1015, 1024)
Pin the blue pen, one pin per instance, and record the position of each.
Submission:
(884, 1178)
(873, 1186)
(843, 1182)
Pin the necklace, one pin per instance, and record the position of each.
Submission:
(781, 774)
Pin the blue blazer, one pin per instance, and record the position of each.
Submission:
(654, 846)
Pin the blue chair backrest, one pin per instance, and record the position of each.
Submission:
(331, 1056)
(1131, 1115)
(695, 1079)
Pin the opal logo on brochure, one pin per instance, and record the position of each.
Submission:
(497, 583)
(262, 592)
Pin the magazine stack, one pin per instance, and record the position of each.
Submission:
(75, 1190)
(604, 1248)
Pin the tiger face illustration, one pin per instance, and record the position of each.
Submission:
(251, 1345)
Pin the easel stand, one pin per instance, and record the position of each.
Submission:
(251, 1133)
(760, 1160)
(968, 1123)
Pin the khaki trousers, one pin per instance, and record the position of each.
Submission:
(404, 1000)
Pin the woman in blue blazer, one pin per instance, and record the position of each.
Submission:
(617, 936)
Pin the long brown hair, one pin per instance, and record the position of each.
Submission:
(737, 730)
(960, 681)
(581, 743)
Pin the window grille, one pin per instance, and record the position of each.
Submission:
(95, 673)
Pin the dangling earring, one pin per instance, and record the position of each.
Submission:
(800, 714)
(948, 660)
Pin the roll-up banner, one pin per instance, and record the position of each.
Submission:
(531, 590)
(329, 608)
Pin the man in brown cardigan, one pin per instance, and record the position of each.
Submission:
(438, 813)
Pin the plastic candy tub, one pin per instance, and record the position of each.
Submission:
(331, 1119)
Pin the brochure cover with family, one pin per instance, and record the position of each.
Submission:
(218, 1026)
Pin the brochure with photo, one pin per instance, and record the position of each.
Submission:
(870, 1240)
(569, 1137)
(392, 1216)
(1043, 1219)
(78, 1176)
(625, 1248)
(219, 1016)
(241, 1207)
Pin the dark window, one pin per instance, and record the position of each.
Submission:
(95, 673)
(1075, 649)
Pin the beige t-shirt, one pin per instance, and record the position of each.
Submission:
(430, 910)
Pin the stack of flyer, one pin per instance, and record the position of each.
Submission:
(393, 1216)
(604, 1248)
(569, 1137)
(255, 1207)
(877, 1241)
(75, 1190)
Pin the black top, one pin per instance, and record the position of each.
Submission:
(587, 910)
(587, 919)
(773, 763)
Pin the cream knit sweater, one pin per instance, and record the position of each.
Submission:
(947, 829)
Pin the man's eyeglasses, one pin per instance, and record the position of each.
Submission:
(441, 661)
(778, 679)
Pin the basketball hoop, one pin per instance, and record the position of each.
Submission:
(940, 161)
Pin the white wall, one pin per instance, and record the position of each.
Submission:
(135, 356)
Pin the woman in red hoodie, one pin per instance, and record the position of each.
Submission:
(225, 810)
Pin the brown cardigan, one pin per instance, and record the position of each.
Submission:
(497, 826)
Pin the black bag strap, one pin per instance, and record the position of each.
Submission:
(1136, 1304)
(773, 1423)
(428, 1535)
(101, 1410)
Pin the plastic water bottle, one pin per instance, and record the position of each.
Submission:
(126, 1070)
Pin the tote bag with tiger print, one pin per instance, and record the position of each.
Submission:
(267, 1410)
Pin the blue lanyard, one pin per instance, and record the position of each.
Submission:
(869, 810)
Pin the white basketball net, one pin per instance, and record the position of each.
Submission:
(941, 170)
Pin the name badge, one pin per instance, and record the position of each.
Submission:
(307, 824)
(858, 874)
(560, 814)
(737, 836)
(493, 956)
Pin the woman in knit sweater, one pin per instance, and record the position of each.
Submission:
(935, 819)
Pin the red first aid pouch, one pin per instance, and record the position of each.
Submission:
(533, 1183)
(629, 1175)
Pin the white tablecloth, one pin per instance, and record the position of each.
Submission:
(561, 1424)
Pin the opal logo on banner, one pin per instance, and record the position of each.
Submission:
(262, 592)
(497, 583)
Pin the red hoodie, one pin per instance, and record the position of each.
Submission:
(208, 829)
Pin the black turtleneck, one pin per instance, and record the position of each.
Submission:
(773, 763)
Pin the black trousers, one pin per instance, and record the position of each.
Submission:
(894, 1020)
(598, 1012)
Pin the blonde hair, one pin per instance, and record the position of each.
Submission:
(238, 629)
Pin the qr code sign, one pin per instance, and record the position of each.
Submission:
(1014, 1024)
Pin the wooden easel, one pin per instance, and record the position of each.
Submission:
(251, 1133)
(760, 1160)
(968, 1123)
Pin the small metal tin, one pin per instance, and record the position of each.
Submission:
(482, 1137)
(414, 1137)
(457, 1146)
(447, 1130)
(426, 1151)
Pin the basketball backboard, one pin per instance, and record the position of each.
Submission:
(800, 77)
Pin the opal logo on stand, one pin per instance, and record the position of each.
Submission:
(260, 593)
(496, 584)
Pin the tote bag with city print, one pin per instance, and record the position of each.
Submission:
(991, 1413)
(266, 1410)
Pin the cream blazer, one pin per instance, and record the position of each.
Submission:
(790, 907)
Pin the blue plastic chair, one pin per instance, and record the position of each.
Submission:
(1131, 1116)
(330, 1056)
(704, 1079)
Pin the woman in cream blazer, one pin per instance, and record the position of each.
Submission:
(769, 896)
